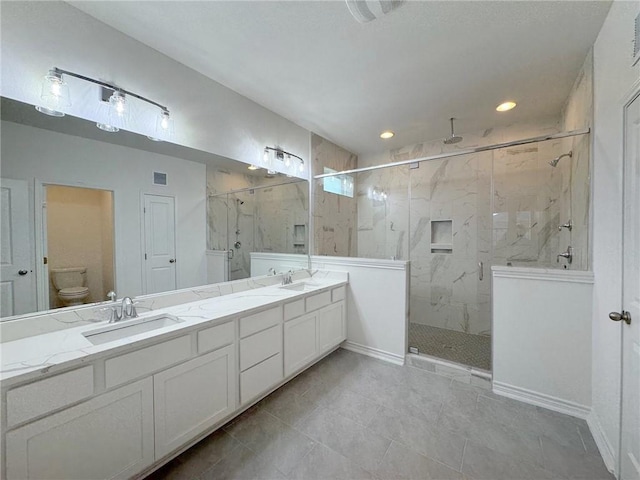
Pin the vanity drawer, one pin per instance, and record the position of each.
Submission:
(216, 337)
(260, 378)
(293, 309)
(260, 321)
(338, 294)
(314, 302)
(38, 398)
(146, 361)
(259, 347)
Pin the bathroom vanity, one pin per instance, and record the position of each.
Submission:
(116, 401)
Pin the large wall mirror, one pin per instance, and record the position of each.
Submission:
(84, 212)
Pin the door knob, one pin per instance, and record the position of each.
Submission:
(173, 260)
(624, 316)
(22, 272)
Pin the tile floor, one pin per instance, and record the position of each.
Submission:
(459, 347)
(354, 417)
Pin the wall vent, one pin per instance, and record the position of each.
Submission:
(160, 178)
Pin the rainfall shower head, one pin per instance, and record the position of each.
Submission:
(453, 138)
(555, 161)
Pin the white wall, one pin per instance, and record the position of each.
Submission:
(37, 36)
(377, 299)
(30, 153)
(542, 337)
(614, 79)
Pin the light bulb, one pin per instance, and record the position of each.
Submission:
(164, 125)
(287, 161)
(252, 167)
(265, 158)
(54, 94)
(107, 128)
(118, 103)
(301, 166)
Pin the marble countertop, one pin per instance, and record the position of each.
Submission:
(30, 357)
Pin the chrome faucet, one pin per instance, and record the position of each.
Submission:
(287, 278)
(568, 255)
(127, 310)
(272, 271)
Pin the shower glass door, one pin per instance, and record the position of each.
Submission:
(450, 253)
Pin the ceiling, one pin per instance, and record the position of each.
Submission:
(407, 71)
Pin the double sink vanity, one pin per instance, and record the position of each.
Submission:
(117, 400)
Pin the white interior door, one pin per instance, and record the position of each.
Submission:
(160, 243)
(17, 277)
(630, 420)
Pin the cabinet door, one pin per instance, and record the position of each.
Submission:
(300, 343)
(332, 326)
(192, 397)
(109, 436)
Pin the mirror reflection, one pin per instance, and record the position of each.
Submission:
(85, 213)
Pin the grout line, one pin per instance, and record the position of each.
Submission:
(464, 450)
(584, 444)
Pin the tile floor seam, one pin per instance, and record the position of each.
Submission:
(584, 445)
(464, 449)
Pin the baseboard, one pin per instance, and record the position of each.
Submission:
(373, 352)
(541, 400)
(602, 442)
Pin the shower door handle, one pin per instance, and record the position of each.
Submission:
(480, 271)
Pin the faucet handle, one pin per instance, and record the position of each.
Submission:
(112, 296)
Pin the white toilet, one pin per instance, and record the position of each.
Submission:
(70, 283)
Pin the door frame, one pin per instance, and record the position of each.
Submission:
(143, 236)
(40, 237)
(632, 95)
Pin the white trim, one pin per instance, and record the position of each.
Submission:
(602, 442)
(373, 352)
(445, 363)
(546, 274)
(361, 262)
(541, 400)
(325, 260)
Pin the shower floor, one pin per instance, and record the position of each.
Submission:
(459, 347)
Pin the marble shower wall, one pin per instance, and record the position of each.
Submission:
(267, 219)
(514, 222)
(263, 219)
(334, 216)
(577, 114)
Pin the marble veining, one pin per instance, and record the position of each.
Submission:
(504, 205)
(39, 352)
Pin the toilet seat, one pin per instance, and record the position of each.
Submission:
(73, 291)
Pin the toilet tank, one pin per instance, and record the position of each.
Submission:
(68, 277)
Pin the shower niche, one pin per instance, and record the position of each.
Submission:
(442, 236)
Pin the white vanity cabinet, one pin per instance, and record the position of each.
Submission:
(332, 326)
(109, 436)
(192, 397)
(127, 411)
(311, 335)
(300, 342)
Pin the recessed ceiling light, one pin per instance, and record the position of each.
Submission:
(506, 106)
(387, 134)
(252, 167)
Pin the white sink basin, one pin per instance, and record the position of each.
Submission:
(128, 328)
(301, 286)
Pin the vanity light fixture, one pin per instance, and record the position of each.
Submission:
(387, 134)
(506, 106)
(55, 98)
(287, 159)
